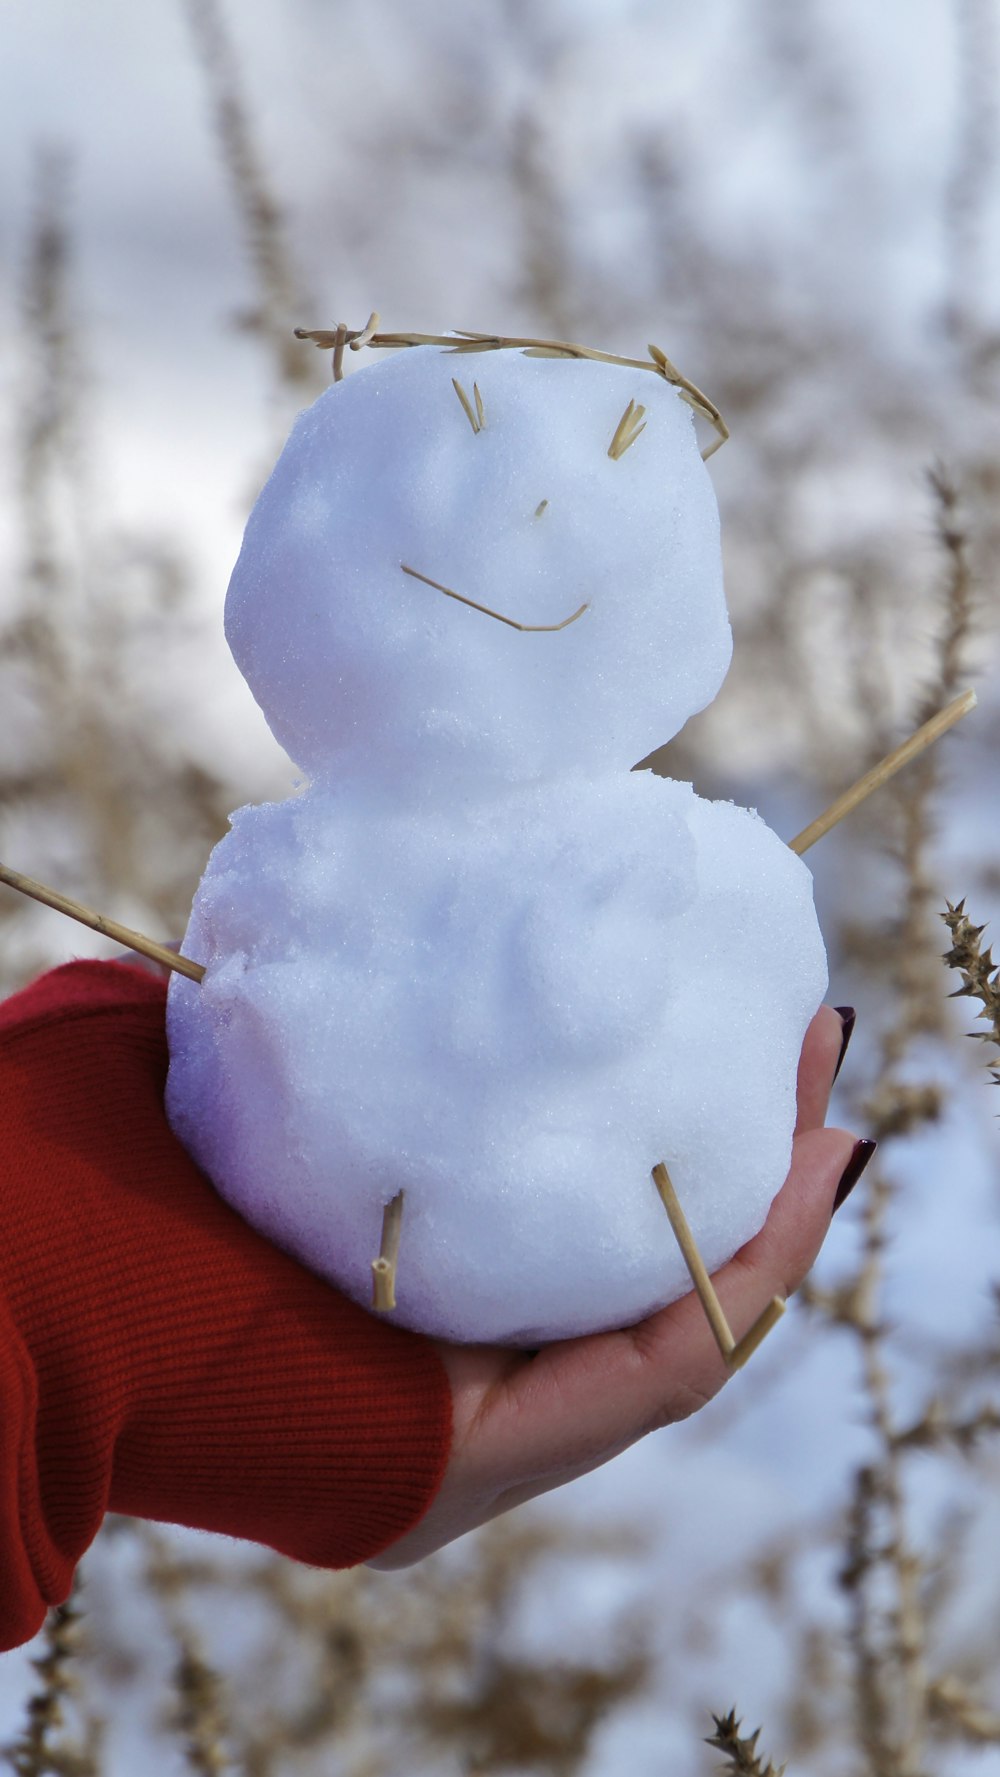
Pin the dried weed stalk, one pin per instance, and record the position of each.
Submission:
(740, 1751)
(972, 173)
(279, 292)
(41, 1748)
(980, 974)
(197, 1710)
(368, 1674)
(124, 817)
(898, 1699)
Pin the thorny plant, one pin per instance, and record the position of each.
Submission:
(740, 1750)
(44, 1747)
(900, 1703)
(279, 290)
(347, 1666)
(980, 975)
(122, 810)
(340, 1673)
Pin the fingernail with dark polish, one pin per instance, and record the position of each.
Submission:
(847, 1017)
(862, 1153)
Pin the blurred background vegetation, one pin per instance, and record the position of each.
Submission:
(800, 203)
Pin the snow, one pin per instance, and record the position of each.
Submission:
(480, 960)
(366, 673)
(512, 1017)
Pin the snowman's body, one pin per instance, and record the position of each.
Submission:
(479, 959)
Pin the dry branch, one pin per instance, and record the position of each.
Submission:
(980, 975)
(741, 1750)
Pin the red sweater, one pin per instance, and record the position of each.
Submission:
(157, 1356)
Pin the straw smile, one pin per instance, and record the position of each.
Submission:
(512, 621)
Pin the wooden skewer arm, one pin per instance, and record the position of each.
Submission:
(184, 965)
(884, 770)
(171, 959)
(736, 1352)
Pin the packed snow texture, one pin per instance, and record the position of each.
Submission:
(367, 674)
(479, 959)
(512, 1016)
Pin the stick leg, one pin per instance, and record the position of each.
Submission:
(734, 1351)
(384, 1267)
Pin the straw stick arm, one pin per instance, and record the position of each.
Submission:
(38, 891)
(884, 770)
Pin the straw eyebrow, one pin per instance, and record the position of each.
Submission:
(512, 621)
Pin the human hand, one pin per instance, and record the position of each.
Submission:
(526, 1424)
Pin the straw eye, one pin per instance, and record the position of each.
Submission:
(476, 416)
(627, 430)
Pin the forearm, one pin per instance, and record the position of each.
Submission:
(158, 1356)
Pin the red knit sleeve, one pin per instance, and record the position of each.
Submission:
(157, 1355)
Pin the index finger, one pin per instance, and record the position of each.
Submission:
(817, 1066)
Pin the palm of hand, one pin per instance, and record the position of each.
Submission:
(523, 1424)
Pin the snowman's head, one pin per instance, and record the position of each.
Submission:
(482, 569)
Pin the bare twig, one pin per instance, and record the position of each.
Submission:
(34, 1753)
(953, 1706)
(980, 975)
(278, 288)
(741, 1751)
(198, 1713)
(884, 1572)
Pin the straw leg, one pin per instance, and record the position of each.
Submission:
(735, 1351)
(384, 1267)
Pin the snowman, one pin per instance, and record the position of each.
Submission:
(482, 966)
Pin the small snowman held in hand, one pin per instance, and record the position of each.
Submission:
(483, 969)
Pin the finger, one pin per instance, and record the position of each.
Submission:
(582, 1401)
(817, 1067)
(522, 1428)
